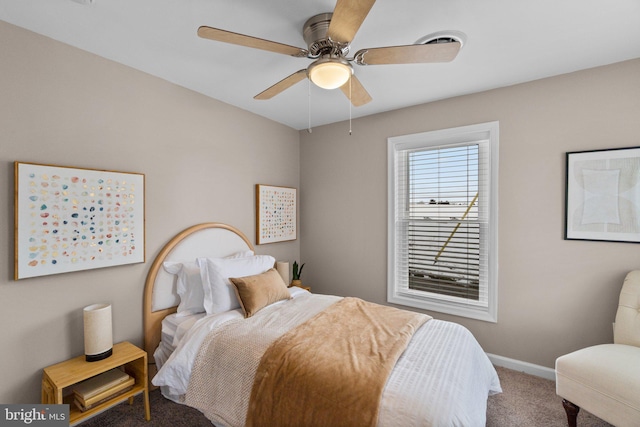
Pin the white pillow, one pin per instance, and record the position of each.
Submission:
(241, 254)
(219, 292)
(189, 284)
(189, 287)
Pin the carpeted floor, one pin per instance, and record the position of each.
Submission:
(526, 401)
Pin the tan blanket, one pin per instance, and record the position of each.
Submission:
(331, 370)
(227, 361)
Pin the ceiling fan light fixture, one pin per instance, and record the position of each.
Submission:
(330, 72)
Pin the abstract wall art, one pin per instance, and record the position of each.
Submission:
(70, 219)
(603, 195)
(275, 214)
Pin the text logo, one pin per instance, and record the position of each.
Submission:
(34, 415)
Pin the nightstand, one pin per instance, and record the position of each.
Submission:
(306, 288)
(56, 379)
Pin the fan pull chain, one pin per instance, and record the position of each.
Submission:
(309, 107)
(350, 103)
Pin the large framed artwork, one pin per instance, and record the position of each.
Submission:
(603, 195)
(276, 214)
(70, 219)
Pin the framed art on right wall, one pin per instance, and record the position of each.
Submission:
(603, 195)
(276, 214)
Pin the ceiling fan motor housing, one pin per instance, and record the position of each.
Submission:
(314, 32)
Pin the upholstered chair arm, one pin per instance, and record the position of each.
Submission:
(627, 326)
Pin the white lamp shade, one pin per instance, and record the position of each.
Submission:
(329, 74)
(98, 332)
(283, 269)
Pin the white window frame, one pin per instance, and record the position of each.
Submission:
(486, 134)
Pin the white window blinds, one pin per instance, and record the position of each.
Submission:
(441, 231)
(443, 224)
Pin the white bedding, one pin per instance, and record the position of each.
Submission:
(173, 330)
(442, 379)
(174, 372)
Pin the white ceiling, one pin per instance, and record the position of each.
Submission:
(507, 42)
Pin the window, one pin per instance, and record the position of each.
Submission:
(443, 231)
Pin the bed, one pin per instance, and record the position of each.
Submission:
(283, 360)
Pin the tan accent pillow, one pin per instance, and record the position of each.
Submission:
(259, 291)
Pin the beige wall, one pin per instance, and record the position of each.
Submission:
(201, 158)
(554, 295)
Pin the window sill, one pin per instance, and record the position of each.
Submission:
(479, 313)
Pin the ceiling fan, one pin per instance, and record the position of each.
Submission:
(328, 37)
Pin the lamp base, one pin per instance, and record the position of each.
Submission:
(99, 356)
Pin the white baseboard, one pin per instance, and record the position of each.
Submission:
(526, 367)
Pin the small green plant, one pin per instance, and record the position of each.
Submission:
(297, 271)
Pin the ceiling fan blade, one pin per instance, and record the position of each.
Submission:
(248, 41)
(357, 93)
(347, 18)
(410, 54)
(282, 85)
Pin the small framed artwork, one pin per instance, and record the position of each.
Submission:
(276, 214)
(70, 219)
(603, 195)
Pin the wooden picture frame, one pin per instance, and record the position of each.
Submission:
(603, 195)
(276, 214)
(70, 219)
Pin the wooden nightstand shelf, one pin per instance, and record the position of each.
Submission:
(65, 374)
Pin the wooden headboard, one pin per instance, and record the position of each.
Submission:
(209, 240)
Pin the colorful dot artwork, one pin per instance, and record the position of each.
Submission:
(76, 219)
(276, 214)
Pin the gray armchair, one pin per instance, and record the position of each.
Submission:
(605, 379)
